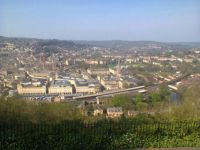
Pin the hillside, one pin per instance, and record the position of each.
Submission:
(142, 45)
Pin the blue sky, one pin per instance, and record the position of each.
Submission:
(158, 20)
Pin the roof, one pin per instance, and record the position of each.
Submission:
(32, 84)
(114, 109)
(110, 78)
(60, 83)
(81, 82)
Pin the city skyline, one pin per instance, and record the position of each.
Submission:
(165, 21)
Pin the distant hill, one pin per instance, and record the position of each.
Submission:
(54, 45)
(43, 45)
(142, 45)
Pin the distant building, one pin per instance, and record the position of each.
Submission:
(60, 87)
(188, 60)
(92, 62)
(113, 112)
(98, 111)
(127, 82)
(31, 89)
(132, 113)
(129, 60)
(95, 62)
(38, 98)
(110, 82)
(86, 75)
(82, 86)
(12, 92)
(113, 71)
(99, 71)
(39, 75)
(70, 62)
(57, 99)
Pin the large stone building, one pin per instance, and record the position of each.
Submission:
(110, 82)
(82, 86)
(31, 89)
(99, 71)
(60, 87)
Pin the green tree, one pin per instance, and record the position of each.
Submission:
(138, 98)
(164, 93)
(155, 97)
(122, 100)
(189, 108)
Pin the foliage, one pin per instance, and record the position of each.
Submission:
(138, 98)
(164, 92)
(161, 95)
(123, 101)
(189, 108)
(155, 97)
(31, 125)
(15, 109)
(105, 134)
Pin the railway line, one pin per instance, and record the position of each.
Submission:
(139, 88)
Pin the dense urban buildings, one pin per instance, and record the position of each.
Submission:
(34, 69)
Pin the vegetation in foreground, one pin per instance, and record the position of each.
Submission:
(14, 109)
(30, 125)
(121, 134)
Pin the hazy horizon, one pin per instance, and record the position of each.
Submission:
(100, 40)
(93, 20)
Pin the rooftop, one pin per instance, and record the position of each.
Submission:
(114, 109)
(81, 82)
(60, 83)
